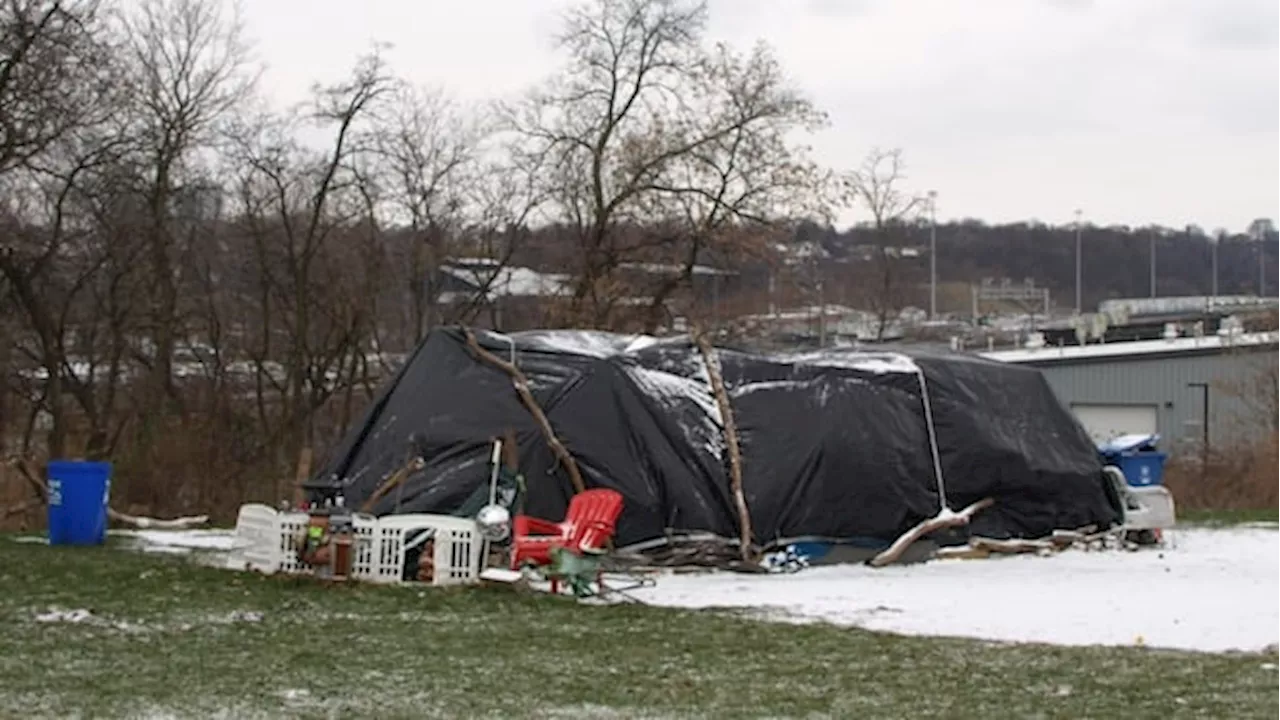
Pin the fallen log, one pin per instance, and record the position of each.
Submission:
(147, 523)
(944, 519)
(1066, 538)
(963, 552)
(1011, 546)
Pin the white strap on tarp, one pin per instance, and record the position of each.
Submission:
(933, 441)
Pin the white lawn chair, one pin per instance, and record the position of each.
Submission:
(257, 543)
(1148, 510)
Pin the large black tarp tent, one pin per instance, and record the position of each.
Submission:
(834, 445)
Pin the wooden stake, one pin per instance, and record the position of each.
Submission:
(730, 440)
(521, 383)
(300, 474)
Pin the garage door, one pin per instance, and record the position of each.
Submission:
(1104, 422)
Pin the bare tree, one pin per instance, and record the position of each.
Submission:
(298, 204)
(1261, 228)
(429, 153)
(188, 69)
(50, 262)
(745, 186)
(1254, 392)
(57, 87)
(645, 119)
(876, 186)
(55, 65)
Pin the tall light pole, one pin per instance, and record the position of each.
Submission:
(1204, 425)
(1079, 304)
(1214, 242)
(1260, 233)
(933, 254)
(1153, 262)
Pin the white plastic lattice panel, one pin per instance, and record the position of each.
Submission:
(364, 545)
(457, 552)
(292, 529)
(267, 540)
(460, 558)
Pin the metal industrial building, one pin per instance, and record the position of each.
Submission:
(1163, 386)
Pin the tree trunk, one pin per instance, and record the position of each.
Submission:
(57, 438)
(162, 312)
(420, 286)
(6, 351)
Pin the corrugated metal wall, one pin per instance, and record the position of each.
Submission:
(1164, 383)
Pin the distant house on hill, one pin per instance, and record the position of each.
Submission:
(512, 297)
(506, 296)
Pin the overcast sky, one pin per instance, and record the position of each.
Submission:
(1135, 111)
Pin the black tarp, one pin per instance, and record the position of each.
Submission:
(834, 445)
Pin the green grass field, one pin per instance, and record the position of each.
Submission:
(166, 637)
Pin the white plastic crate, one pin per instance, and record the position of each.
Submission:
(266, 541)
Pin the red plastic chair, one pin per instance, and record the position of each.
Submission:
(588, 524)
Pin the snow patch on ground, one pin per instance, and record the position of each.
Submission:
(1212, 590)
(55, 615)
(83, 616)
(180, 540)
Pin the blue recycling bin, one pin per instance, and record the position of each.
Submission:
(1137, 457)
(78, 495)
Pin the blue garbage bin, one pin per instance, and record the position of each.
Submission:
(1137, 457)
(78, 494)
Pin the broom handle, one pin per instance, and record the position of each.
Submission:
(494, 459)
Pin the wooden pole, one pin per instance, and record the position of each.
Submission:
(521, 383)
(301, 472)
(730, 440)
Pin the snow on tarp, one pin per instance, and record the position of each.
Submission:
(834, 444)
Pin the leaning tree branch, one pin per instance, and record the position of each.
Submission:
(730, 439)
(521, 383)
(946, 518)
(412, 465)
(20, 508)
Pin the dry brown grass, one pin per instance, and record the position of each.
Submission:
(206, 466)
(1243, 478)
(19, 509)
